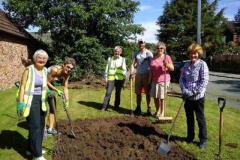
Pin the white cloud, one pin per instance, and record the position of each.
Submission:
(229, 17)
(145, 7)
(150, 32)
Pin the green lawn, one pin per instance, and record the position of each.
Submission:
(86, 102)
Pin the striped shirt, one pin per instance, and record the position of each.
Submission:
(194, 79)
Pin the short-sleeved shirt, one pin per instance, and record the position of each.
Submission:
(157, 69)
(143, 60)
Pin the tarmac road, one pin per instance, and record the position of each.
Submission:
(224, 85)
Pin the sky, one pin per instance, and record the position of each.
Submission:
(150, 10)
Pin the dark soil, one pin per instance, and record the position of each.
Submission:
(116, 138)
(90, 83)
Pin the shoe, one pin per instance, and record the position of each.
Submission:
(138, 111)
(28, 153)
(188, 140)
(39, 158)
(149, 113)
(116, 108)
(52, 131)
(104, 109)
(43, 151)
(203, 145)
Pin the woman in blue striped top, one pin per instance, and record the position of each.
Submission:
(193, 82)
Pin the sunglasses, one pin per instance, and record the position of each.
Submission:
(70, 68)
(160, 48)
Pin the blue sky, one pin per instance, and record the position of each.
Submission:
(150, 10)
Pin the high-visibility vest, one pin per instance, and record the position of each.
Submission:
(29, 90)
(115, 73)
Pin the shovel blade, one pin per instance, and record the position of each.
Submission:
(164, 148)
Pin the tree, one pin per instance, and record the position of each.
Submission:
(178, 25)
(83, 29)
(237, 16)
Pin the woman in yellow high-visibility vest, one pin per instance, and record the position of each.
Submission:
(115, 75)
(32, 101)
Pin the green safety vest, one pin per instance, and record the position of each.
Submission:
(29, 90)
(116, 73)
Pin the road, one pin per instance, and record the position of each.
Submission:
(224, 85)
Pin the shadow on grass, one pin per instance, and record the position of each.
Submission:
(23, 125)
(98, 106)
(14, 140)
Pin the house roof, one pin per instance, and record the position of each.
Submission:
(8, 26)
(233, 26)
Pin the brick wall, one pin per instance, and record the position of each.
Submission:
(11, 67)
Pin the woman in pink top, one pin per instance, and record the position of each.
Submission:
(159, 78)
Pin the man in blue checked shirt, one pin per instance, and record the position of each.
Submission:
(193, 82)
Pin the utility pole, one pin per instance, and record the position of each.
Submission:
(199, 22)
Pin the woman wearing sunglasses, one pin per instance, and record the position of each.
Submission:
(58, 72)
(159, 78)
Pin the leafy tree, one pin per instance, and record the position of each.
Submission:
(83, 29)
(178, 25)
(237, 16)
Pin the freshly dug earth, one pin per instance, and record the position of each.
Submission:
(115, 138)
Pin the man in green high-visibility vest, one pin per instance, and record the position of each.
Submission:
(115, 75)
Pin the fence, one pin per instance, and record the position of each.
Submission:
(225, 63)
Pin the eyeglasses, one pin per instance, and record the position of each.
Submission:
(160, 48)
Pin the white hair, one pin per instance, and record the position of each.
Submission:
(118, 47)
(39, 52)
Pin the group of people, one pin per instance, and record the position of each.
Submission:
(36, 88)
(152, 76)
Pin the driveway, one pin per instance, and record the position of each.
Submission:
(224, 85)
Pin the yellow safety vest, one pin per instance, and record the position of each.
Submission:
(115, 73)
(29, 90)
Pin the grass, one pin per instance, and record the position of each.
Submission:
(85, 104)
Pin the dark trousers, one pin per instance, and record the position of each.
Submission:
(196, 106)
(36, 121)
(118, 84)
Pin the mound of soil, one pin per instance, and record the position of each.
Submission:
(90, 83)
(132, 138)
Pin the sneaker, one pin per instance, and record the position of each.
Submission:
(28, 153)
(43, 151)
(39, 158)
(203, 145)
(52, 131)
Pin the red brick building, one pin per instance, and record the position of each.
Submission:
(15, 43)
